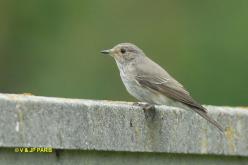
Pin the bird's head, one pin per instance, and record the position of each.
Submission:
(124, 52)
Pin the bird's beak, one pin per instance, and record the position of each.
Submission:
(107, 51)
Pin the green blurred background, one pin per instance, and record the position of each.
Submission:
(51, 47)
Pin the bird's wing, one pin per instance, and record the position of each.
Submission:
(169, 89)
(178, 95)
(150, 75)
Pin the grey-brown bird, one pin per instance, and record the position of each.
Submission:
(148, 82)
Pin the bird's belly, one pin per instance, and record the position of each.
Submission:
(145, 94)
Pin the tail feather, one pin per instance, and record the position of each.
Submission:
(204, 114)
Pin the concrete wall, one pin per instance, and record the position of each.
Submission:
(107, 132)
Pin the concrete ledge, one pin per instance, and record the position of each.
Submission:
(31, 121)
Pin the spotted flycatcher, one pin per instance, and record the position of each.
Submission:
(147, 81)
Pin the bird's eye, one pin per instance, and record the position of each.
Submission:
(123, 50)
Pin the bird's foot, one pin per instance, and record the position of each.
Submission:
(149, 110)
(145, 106)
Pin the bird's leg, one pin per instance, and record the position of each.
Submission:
(145, 106)
(148, 107)
(149, 110)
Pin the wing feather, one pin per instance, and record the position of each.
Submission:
(181, 97)
(151, 75)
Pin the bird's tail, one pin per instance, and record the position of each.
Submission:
(208, 118)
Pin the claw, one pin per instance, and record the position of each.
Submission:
(145, 106)
(149, 110)
(148, 107)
